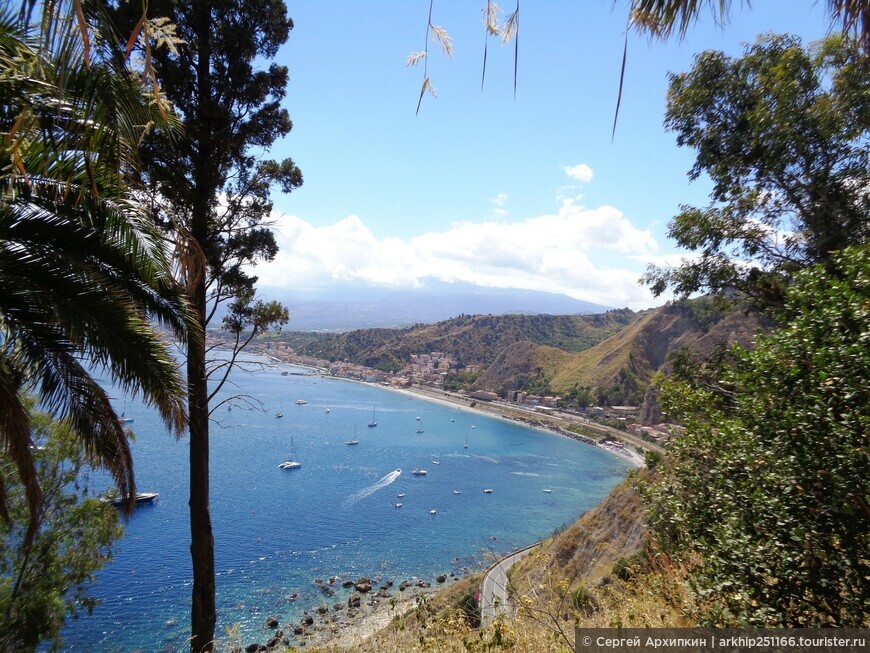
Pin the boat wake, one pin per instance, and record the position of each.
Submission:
(384, 482)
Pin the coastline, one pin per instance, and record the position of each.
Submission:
(345, 629)
(340, 626)
(498, 411)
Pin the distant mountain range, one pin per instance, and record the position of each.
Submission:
(366, 308)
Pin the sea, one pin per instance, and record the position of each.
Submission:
(278, 530)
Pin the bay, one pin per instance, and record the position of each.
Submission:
(278, 530)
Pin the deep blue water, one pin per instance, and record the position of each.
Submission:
(277, 530)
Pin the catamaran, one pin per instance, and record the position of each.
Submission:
(290, 463)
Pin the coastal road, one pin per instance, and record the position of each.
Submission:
(494, 598)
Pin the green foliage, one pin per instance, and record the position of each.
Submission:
(460, 380)
(470, 608)
(652, 459)
(769, 486)
(84, 274)
(537, 384)
(583, 601)
(783, 135)
(42, 584)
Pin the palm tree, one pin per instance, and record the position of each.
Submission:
(663, 17)
(84, 273)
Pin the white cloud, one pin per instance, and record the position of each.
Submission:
(498, 203)
(551, 253)
(580, 172)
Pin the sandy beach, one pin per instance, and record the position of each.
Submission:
(527, 417)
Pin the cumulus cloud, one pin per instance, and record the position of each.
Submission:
(580, 172)
(552, 253)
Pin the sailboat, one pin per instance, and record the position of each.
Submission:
(465, 446)
(123, 418)
(290, 463)
(420, 428)
(280, 413)
(354, 440)
(374, 422)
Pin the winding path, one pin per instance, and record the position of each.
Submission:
(494, 597)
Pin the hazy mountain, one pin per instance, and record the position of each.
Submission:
(364, 308)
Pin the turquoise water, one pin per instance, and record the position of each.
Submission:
(277, 530)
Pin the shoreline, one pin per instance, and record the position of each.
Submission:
(344, 629)
(496, 411)
(342, 626)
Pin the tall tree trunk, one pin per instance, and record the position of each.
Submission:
(203, 612)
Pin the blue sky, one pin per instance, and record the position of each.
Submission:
(526, 192)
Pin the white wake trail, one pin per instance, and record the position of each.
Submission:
(384, 482)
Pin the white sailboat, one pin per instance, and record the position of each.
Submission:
(420, 428)
(290, 463)
(123, 418)
(374, 422)
(354, 440)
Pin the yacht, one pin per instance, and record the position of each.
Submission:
(301, 402)
(141, 498)
(419, 472)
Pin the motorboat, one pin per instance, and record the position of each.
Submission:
(419, 472)
(548, 490)
(279, 415)
(432, 512)
(400, 494)
(141, 498)
(436, 462)
(418, 418)
(487, 491)
(457, 491)
(301, 402)
(398, 505)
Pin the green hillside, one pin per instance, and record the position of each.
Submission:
(467, 339)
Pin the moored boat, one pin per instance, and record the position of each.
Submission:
(141, 498)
